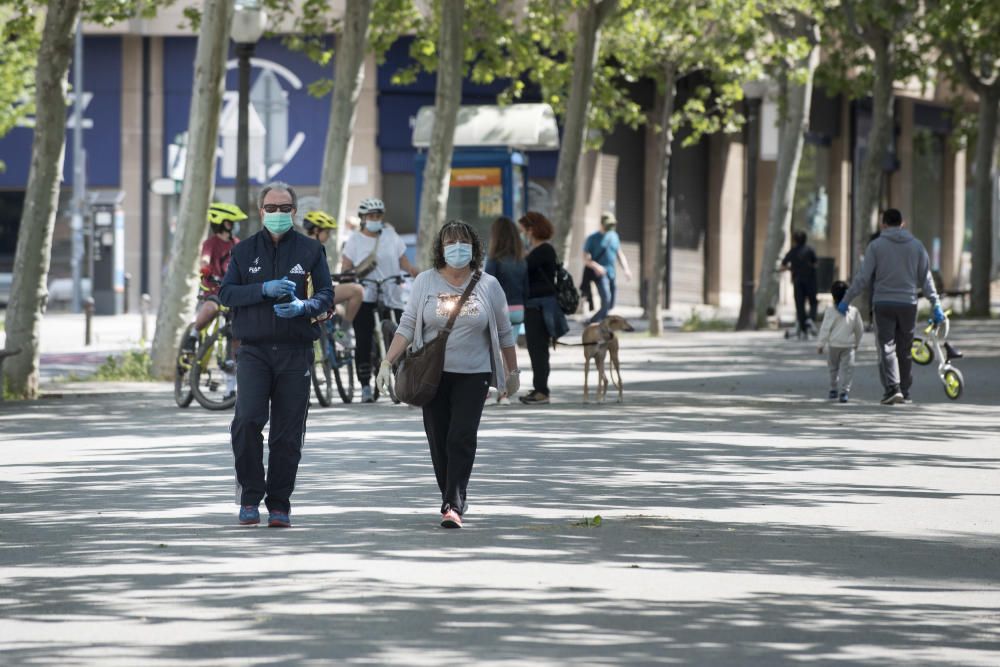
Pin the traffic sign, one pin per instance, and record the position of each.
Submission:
(165, 186)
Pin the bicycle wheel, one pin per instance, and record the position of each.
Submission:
(921, 352)
(182, 379)
(388, 331)
(376, 361)
(322, 383)
(209, 374)
(343, 373)
(953, 383)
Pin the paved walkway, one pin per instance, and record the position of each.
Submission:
(746, 521)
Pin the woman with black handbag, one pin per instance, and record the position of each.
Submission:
(456, 300)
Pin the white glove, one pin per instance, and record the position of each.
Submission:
(384, 377)
(513, 382)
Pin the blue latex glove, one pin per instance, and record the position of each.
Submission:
(843, 306)
(937, 314)
(293, 308)
(276, 288)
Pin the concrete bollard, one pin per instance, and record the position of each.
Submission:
(88, 312)
(144, 309)
(128, 288)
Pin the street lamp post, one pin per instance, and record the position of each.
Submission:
(248, 25)
(79, 176)
(753, 92)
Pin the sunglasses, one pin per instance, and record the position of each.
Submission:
(274, 208)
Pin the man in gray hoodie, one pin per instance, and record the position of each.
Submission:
(896, 267)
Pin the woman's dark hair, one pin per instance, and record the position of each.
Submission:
(538, 224)
(799, 237)
(456, 230)
(505, 242)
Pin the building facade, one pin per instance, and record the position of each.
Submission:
(137, 93)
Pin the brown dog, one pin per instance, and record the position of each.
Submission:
(599, 339)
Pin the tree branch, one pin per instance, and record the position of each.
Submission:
(962, 60)
(604, 9)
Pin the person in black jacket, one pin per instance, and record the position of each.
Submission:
(543, 320)
(265, 285)
(801, 261)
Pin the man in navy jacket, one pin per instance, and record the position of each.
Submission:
(266, 286)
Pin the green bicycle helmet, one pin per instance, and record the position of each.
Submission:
(221, 212)
(318, 219)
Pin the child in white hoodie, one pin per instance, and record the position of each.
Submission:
(841, 334)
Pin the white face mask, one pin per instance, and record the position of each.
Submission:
(374, 226)
(458, 255)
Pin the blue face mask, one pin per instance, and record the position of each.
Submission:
(374, 226)
(458, 255)
(278, 222)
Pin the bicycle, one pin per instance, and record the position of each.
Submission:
(936, 345)
(334, 358)
(199, 372)
(385, 328)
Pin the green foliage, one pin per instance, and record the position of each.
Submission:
(8, 395)
(856, 30)
(390, 19)
(682, 37)
(490, 31)
(133, 366)
(966, 34)
(696, 323)
(314, 23)
(20, 34)
(19, 41)
(589, 522)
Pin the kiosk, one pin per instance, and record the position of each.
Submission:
(489, 169)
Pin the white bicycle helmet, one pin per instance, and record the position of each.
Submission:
(371, 205)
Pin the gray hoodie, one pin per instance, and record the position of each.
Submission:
(896, 266)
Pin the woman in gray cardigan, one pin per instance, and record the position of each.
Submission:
(480, 353)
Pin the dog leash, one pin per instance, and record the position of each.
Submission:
(557, 342)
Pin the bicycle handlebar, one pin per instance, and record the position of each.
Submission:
(398, 279)
(345, 277)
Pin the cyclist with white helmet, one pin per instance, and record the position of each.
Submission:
(375, 252)
(318, 225)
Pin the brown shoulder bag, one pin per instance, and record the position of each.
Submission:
(419, 372)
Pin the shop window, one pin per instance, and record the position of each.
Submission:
(476, 196)
(11, 203)
(811, 206)
(399, 192)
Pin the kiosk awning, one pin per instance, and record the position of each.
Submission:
(524, 126)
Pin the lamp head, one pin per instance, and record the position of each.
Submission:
(249, 22)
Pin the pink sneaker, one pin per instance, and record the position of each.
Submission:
(451, 519)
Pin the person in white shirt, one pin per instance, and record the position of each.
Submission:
(374, 252)
(841, 335)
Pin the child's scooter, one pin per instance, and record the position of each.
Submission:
(936, 345)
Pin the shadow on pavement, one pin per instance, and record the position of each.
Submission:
(118, 543)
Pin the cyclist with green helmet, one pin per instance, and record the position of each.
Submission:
(319, 225)
(214, 260)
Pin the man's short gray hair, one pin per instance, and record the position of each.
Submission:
(281, 187)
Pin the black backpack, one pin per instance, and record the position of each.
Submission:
(567, 295)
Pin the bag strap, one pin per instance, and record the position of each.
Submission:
(461, 302)
(373, 255)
